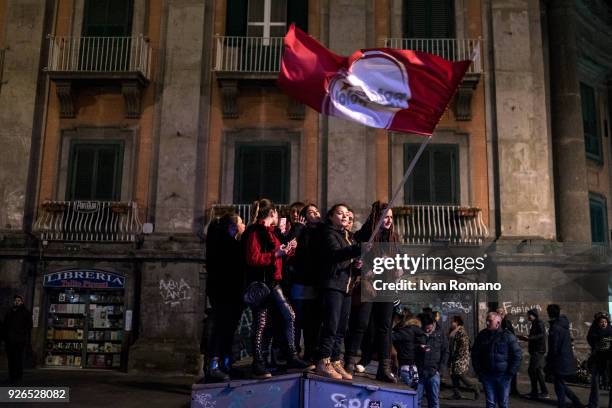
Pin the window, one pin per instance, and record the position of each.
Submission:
(428, 19)
(95, 169)
(435, 178)
(107, 18)
(592, 141)
(261, 171)
(599, 218)
(264, 18)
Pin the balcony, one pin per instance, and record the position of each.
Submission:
(452, 49)
(427, 224)
(88, 221)
(125, 61)
(243, 56)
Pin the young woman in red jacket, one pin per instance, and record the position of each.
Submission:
(264, 262)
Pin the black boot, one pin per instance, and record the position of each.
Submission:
(214, 373)
(259, 326)
(293, 361)
(350, 363)
(384, 372)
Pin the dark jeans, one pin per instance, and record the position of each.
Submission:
(15, 355)
(336, 309)
(381, 314)
(562, 391)
(594, 395)
(457, 379)
(308, 323)
(497, 390)
(536, 373)
(226, 315)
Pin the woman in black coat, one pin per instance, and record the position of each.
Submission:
(380, 313)
(339, 261)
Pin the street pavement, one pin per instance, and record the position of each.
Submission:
(96, 388)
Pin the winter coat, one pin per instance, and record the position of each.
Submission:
(507, 324)
(224, 265)
(496, 352)
(537, 337)
(459, 352)
(337, 259)
(560, 359)
(308, 261)
(17, 325)
(260, 246)
(407, 340)
(434, 356)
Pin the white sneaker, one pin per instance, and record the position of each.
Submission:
(359, 369)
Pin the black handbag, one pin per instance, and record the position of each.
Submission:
(255, 294)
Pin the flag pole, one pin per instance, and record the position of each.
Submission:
(399, 187)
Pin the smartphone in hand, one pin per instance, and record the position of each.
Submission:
(282, 225)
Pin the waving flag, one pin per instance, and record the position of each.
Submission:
(401, 90)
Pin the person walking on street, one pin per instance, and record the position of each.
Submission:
(599, 338)
(459, 358)
(506, 324)
(560, 359)
(496, 357)
(17, 330)
(431, 357)
(536, 344)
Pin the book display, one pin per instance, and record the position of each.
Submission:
(84, 328)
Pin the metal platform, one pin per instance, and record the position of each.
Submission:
(303, 390)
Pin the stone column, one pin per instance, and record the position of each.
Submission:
(524, 142)
(180, 115)
(566, 118)
(350, 147)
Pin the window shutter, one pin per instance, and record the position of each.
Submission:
(435, 177)
(441, 19)
(589, 122)
(108, 18)
(261, 171)
(415, 18)
(107, 173)
(599, 224)
(82, 173)
(442, 176)
(297, 12)
(236, 18)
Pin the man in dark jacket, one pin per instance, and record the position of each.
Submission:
(431, 357)
(598, 337)
(496, 358)
(17, 328)
(537, 351)
(560, 359)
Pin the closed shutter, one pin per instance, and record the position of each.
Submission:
(95, 171)
(262, 171)
(428, 19)
(108, 18)
(297, 13)
(236, 18)
(592, 142)
(599, 222)
(435, 177)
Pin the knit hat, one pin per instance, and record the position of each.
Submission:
(533, 312)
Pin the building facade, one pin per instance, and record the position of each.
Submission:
(126, 125)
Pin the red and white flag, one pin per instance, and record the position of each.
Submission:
(400, 90)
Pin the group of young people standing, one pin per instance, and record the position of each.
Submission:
(308, 270)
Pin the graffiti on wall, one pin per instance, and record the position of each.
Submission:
(174, 292)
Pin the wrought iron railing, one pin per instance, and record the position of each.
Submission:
(248, 54)
(99, 54)
(98, 221)
(426, 224)
(452, 49)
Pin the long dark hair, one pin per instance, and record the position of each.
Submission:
(383, 235)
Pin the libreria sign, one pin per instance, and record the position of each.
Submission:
(84, 278)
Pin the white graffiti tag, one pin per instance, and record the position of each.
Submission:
(204, 400)
(174, 292)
